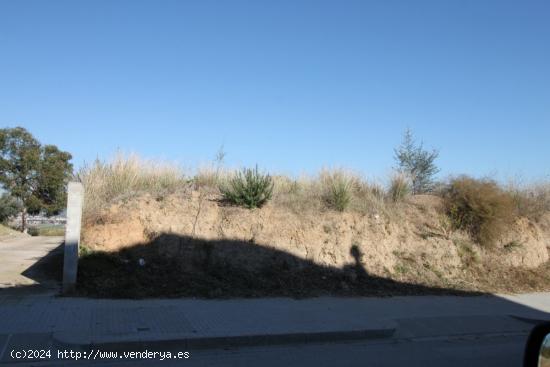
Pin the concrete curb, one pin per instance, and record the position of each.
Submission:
(381, 330)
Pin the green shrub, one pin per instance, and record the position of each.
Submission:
(9, 207)
(400, 188)
(481, 208)
(248, 188)
(337, 189)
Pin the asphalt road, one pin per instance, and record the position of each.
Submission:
(488, 350)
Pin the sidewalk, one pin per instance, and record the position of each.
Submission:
(42, 321)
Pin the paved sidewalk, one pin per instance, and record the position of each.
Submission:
(23, 260)
(40, 321)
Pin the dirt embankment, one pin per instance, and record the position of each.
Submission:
(414, 242)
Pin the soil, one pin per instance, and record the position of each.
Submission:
(196, 235)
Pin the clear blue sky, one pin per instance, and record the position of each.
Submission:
(291, 85)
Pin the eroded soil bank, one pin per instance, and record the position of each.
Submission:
(191, 244)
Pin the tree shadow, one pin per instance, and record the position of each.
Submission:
(181, 266)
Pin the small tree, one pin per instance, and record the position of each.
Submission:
(37, 176)
(248, 188)
(417, 163)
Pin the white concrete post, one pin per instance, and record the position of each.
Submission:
(72, 235)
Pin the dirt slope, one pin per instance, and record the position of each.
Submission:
(415, 239)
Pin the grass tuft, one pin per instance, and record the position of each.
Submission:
(400, 187)
(337, 189)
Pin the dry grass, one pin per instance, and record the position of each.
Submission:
(479, 205)
(400, 187)
(210, 178)
(531, 201)
(126, 176)
(6, 231)
(298, 195)
(336, 189)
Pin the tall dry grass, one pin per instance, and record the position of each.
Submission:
(331, 189)
(532, 201)
(400, 187)
(126, 176)
(476, 204)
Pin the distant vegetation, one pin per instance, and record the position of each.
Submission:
(47, 230)
(9, 207)
(35, 175)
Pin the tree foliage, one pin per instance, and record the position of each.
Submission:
(9, 207)
(417, 163)
(36, 175)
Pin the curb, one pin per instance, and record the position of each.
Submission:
(384, 330)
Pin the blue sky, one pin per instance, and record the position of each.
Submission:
(290, 85)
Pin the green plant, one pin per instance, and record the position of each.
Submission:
(9, 207)
(417, 163)
(248, 188)
(400, 188)
(481, 208)
(511, 246)
(337, 189)
(34, 174)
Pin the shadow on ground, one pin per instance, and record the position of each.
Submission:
(181, 266)
(46, 273)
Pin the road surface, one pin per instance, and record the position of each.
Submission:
(478, 351)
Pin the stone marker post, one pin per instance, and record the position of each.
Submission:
(72, 235)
